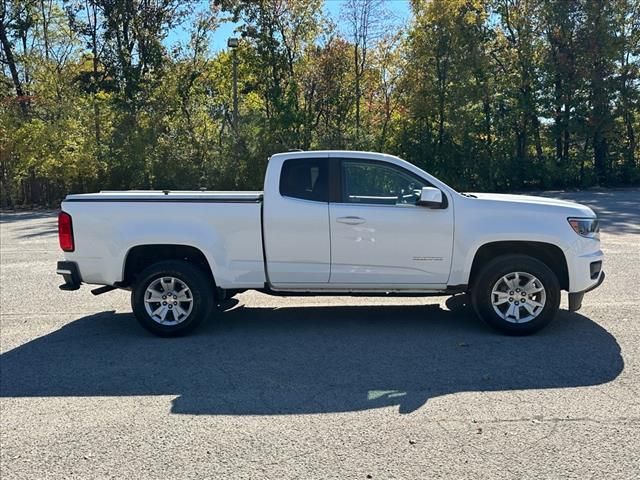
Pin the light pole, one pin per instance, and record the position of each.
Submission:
(233, 43)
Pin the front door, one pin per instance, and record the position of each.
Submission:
(378, 233)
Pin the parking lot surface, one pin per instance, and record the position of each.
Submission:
(317, 387)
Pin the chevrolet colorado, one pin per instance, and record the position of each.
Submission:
(332, 223)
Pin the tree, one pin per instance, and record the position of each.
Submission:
(599, 50)
(486, 94)
(628, 17)
(562, 20)
(7, 47)
(366, 20)
(280, 31)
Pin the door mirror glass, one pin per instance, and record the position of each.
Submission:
(430, 197)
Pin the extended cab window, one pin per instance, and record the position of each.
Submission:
(306, 178)
(379, 183)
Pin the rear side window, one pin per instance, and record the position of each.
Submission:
(306, 178)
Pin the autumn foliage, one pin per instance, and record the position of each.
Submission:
(485, 94)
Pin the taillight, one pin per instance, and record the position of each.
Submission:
(65, 232)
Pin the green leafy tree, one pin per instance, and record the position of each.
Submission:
(486, 94)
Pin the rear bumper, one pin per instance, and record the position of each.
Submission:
(575, 299)
(70, 274)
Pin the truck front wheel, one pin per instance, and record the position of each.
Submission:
(171, 298)
(516, 294)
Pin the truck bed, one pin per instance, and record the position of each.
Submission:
(225, 226)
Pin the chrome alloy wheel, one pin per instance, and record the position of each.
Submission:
(518, 297)
(168, 294)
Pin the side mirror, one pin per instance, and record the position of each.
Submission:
(430, 197)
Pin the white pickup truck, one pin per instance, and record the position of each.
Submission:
(332, 223)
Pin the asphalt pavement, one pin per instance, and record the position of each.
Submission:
(317, 387)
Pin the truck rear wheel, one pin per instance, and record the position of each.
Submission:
(516, 294)
(171, 298)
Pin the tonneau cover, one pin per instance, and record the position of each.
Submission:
(167, 196)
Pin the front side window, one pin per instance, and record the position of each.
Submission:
(305, 178)
(379, 184)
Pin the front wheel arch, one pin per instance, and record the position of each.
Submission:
(551, 255)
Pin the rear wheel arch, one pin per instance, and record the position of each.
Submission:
(551, 255)
(141, 257)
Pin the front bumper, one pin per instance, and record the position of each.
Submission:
(71, 275)
(575, 299)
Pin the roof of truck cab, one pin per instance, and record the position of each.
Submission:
(333, 153)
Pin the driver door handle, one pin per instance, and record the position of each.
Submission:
(351, 220)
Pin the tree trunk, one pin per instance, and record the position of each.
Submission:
(631, 143)
(567, 132)
(559, 121)
(536, 136)
(8, 53)
(356, 59)
(94, 80)
(45, 29)
(598, 120)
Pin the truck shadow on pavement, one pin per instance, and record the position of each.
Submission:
(265, 361)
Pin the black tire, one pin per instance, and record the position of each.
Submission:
(201, 292)
(493, 271)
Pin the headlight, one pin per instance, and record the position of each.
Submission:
(585, 227)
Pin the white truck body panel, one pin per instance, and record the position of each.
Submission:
(498, 218)
(309, 246)
(391, 245)
(227, 233)
(381, 249)
(296, 234)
